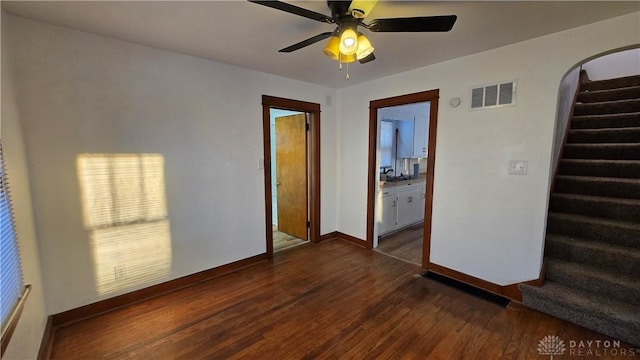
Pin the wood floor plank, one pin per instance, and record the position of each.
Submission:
(331, 300)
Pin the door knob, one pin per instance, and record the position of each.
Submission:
(278, 183)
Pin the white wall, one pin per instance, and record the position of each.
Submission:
(618, 64)
(25, 341)
(486, 223)
(81, 93)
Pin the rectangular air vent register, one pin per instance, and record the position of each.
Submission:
(494, 95)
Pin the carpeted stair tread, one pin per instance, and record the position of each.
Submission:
(606, 121)
(594, 85)
(607, 107)
(594, 311)
(606, 135)
(630, 92)
(619, 286)
(592, 244)
(601, 168)
(627, 188)
(624, 233)
(596, 206)
(612, 151)
(602, 255)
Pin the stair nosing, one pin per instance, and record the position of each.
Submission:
(598, 103)
(581, 296)
(596, 245)
(610, 89)
(624, 129)
(592, 272)
(581, 117)
(599, 179)
(597, 220)
(596, 198)
(612, 145)
(604, 161)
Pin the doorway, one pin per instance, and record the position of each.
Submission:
(291, 132)
(409, 194)
(289, 178)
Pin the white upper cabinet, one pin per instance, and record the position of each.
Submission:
(420, 136)
(405, 138)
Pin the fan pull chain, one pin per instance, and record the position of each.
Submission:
(340, 66)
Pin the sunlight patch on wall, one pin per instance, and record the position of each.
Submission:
(124, 205)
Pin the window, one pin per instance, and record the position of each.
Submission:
(387, 132)
(12, 290)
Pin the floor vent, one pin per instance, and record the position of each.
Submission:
(472, 290)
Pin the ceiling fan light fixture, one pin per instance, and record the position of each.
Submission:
(364, 47)
(345, 59)
(332, 49)
(348, 42)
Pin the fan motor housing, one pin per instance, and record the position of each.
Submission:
(338, 8)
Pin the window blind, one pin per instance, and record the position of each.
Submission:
(11, 282)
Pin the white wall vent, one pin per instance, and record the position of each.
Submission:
(494, 95)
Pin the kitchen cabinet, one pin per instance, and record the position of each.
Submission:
(389, 213)
(408, 206)
(413, 137)
(399, 206)
(420, 136)
(405, 138)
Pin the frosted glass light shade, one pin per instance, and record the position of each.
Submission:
(348, 42)
(364, 47)
(347, 58)
(332, 49)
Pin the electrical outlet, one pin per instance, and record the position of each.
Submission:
(518, 167)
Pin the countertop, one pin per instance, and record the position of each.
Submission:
(387, 184)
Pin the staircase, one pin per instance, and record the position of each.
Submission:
(592, 250)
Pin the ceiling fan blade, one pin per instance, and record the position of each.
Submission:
(368, 58)
(309, 41)
(292, 9)
(414, 24)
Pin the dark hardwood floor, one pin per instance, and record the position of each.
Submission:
(405, 244)
(332, 300)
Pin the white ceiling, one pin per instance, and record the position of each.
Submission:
(249, 35)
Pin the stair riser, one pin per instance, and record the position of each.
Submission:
(593, 231)
(600, 209)
(626, 152)
(610, 327)
(619, 291)
(608, 261)
(602, 169)
(603, 122)
(598, 188)
(628, 81)
(609, 95)
(614, 107)
(631, 135)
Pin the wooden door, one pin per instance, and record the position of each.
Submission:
(291, 174)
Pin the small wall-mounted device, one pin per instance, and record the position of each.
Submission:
(518, 167)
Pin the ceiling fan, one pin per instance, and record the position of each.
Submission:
(346, 44)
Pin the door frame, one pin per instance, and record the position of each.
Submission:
(432, 96)
(313, 163)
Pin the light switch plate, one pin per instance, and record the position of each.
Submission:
(518, 167)
(260, 164)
